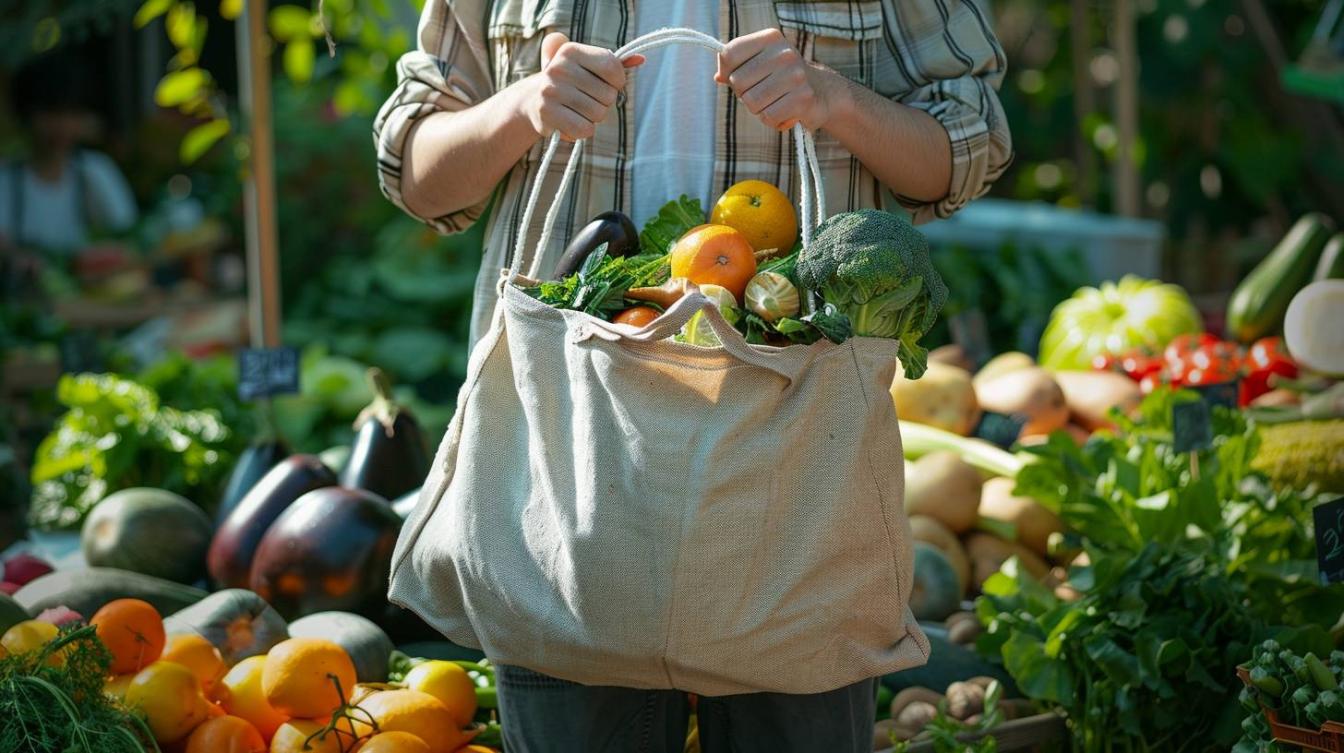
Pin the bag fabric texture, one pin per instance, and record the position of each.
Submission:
(614, 508)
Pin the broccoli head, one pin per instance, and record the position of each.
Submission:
(875, 268)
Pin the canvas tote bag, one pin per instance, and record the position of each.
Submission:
(612, 507)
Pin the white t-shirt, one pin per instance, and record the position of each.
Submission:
(56, 216)
(675, 95)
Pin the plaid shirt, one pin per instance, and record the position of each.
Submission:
(939, 56)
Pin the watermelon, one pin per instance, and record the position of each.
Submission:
(149, 531)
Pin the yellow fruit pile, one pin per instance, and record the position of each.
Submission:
(300, 696)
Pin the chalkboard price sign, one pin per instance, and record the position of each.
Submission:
(1223, 393)
(266, 372)
(1329, 519)
(1191, 426)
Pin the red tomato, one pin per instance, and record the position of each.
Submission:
(1216, 356)
(1138, 364)
(1253, 385)
(1216, 374)
(1182, 345)
(1268, 356)
(1151, 382)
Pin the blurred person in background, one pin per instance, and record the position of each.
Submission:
(60, 194)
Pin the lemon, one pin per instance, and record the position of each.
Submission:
(447, 682)
(697, 331)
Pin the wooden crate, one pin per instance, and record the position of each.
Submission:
(1016, 735)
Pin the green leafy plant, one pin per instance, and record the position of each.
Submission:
(115, 434)
(62, 709)
(672, 221)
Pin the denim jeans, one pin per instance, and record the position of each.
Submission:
(543, 714)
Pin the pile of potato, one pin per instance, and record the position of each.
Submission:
(913, 708)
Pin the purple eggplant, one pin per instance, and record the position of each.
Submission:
(612, 228)
(388, 456)
(255, 461)
(235, 542)
(331, 550)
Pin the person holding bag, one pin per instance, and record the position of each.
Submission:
(617, 519)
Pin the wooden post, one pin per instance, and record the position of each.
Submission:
(254, 83)
(1126, 111)
(1084, 100)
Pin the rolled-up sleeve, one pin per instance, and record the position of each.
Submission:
(956, 65)
(447, 72)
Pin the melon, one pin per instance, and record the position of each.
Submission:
(936, 592)
(148, 531)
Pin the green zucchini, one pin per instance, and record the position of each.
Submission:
(1331, 264)
(87, 590)
(1258, 304)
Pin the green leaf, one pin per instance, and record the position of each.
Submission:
(1037, 675)
(180, 87)
(298, 60)
(181, 25)
(230, 9)
(199, 139)
(290, 22)
(150, 10)
(1119, 665)
(671, 222)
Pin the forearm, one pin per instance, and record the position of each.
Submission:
(904, 148)
(454, 160)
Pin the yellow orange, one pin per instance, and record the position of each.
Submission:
(170, 697)
(30, 635)
(420, 714)
(243, 697)
(292, 737)
(714, 254)
(394, 742)
(199, 655)
(450, 684)
(132, 630)
(306, 677)
(225, 734)
(115, 687)
(759, 211)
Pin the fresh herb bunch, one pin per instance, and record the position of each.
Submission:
(1144, 661)
(1303, 689)
(1127, 488)
(62, 709)
(599, 287)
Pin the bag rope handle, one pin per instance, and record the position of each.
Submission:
(812, 201)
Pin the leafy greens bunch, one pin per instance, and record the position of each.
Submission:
(599, 287)
(116, 433)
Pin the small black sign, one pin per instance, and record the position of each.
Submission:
(1223, 393)
(1191, 426)
(265, 372)
(1329, 518)
(999, 428)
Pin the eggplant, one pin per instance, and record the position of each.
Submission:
(330, 551)
(388, 456)
(405, 504)
(612, 228)
(255, 461)
(229, 559)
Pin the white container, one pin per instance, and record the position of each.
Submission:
(1111, 246)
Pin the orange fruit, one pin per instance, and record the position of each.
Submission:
(132, 630)
(199, 655)
(636, 316)
(759, 211)
(292, 737)
(225, 734)
(31, 635)
(170, 697)
(394, 742)
(449, 683)
(476, 749)
(242, 696)
(421, 714)
(714, 254)
(301, 677)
